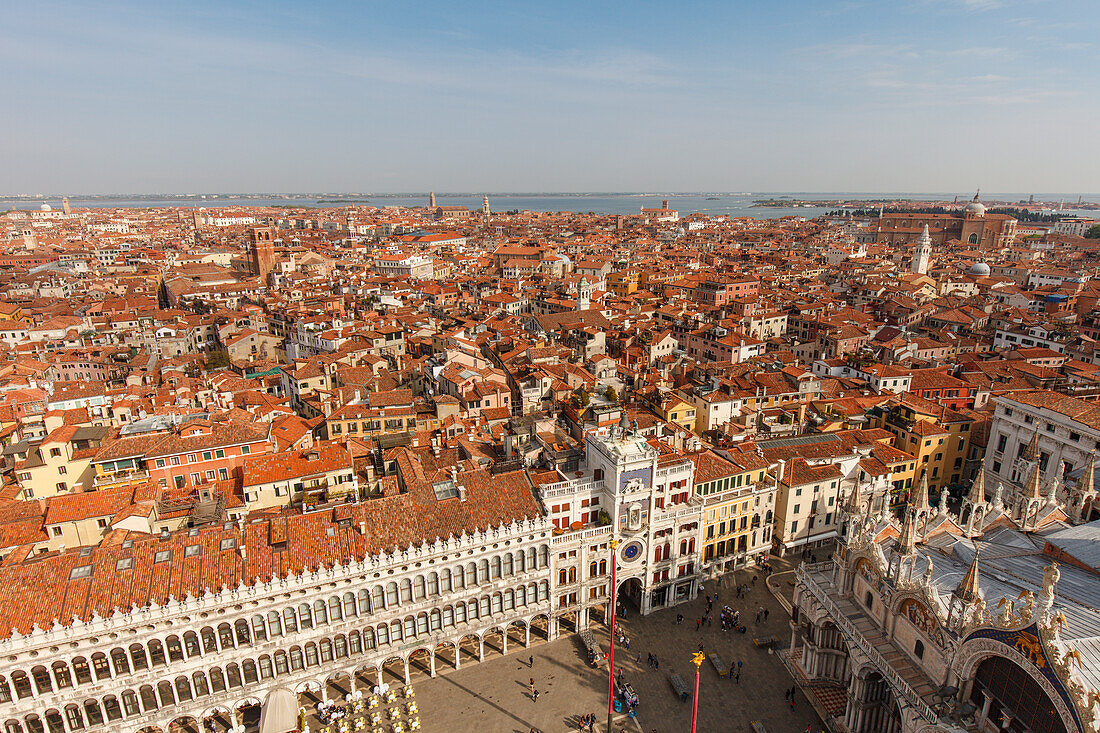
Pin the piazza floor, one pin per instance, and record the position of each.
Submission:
(494, 695)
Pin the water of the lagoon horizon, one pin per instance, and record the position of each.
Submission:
(733, 204)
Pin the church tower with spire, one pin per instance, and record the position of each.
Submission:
(922, 254)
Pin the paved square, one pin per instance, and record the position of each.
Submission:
(494, 695)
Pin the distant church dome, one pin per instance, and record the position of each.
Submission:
(45, 207)
(979, 269)
(975, 207)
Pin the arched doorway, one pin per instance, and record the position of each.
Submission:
(629, 596)
(446, 657)
(393, 671)
(517, 634)
(470, 649)
(420, 664)
(1006, 694)
(540, 629)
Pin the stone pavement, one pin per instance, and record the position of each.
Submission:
(494, 695)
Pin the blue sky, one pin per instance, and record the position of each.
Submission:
(884, 95)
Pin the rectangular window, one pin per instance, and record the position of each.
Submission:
(219, 453)
(245, 450)
(207, 455)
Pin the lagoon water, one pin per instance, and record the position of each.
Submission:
(733, 204)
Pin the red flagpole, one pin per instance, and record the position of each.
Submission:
(611, 656)
(698, 658)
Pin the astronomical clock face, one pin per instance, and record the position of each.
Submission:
(632, 551)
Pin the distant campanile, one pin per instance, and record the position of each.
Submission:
(65, 206)
(431, 199)
(485, 206)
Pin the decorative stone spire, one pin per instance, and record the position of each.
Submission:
(907, 542)
(1033, 488)
(920, 499)
(968, 589)
(1086, 485)
(977, 489)
(854, 505)
(1031, 453)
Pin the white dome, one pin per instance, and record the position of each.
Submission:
(979, 269)
(45, 207)
(975, 207)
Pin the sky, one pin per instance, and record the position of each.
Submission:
(785, 95)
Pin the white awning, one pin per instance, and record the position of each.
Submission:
(280, 712)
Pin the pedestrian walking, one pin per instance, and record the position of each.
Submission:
(656, 662)
(732, 670)
(649, 659)
(698, 622)
(531, 661)
(737, 677)
(739, 665)
(786, 694)
(535, 695)
(766, 612)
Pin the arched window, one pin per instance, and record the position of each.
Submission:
(225, 636)
(349, 605)
(311, 655)
(325, 647)
(296, 660)
(191, 644)
(183, 689)
(544, 556)
(242, 632)
(471, 574)
(378, 597)
(233, 675)
(355, 645)
(201, 686)
(368, 638)
(209, 641)
(521, 562)
(74, 718)
(495, 568)
(495, 604)
(391, 594)
(444, 580)
(383, 634)
(13, 726)
(448, 616)
(320, 612)
(433, 584)
(419, 588)
(34, 724)
(175, 649)
(421, 624)
(83, 672)
(130, 703)
(305, 618)
(395, 631)
(282, 664)
(521, 596)
(508, 566)
(148, 698)
(53, 721)
(274, 623)
(259, 631)
(335, 611)
(217, 680)
(164, 692)
(102, 667)
(93, 713)
(61, 674)
(460, 613)
(42, 680)
(406, 590)
(112, 708)
(483, 607)
(435, 620)
(459, 578)
(290, 623)
(341, 647)
(483, 571)
(156, 653)
(248, 669)
(137, 657)
(5, 691)
(973, 238)
(509, 600)
(267, 670)
(364, 602)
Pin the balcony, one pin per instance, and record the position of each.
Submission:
(120, 478)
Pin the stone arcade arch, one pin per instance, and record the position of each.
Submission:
(1018, 679)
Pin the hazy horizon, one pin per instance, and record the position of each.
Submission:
(849, 96)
